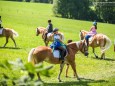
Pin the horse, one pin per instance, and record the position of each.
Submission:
(8, 33)
(98, 40)
(44, 53)
(42, 30)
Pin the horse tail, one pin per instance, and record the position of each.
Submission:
(62, 36)
(107, 45)
(30, 55)
(15, 33)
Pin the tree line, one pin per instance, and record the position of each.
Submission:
(100, 10)
(90, 10)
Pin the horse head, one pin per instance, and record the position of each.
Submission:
(82, 34)
(84, 48)
(37, 31)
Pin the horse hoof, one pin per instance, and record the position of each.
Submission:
(66, 76)
(78, 78)
(60, 81)
(96, 56)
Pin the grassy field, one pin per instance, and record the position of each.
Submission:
(26, 17)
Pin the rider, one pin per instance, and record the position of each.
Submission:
(49, 28)
(0, 23)
(58, 43)
(92, 32)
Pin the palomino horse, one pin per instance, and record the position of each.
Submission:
(8, 33)
(98, 40)
(44, 53)
(42, 30)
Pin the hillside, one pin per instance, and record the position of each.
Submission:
(26, 17)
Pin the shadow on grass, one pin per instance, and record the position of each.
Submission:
(9, 48)
(106, 59)
(81, 82)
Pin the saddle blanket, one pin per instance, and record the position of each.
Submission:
(48, 35)
(56, 53)
(90, 39)
(1, 31)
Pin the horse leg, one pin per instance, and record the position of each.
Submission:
(46, 42)
(73, 65)
(61, 68)
(67, 70)
(94, 52)
(6, 41)
(103, 56)
(13, 40)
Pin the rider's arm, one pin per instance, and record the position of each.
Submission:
(91, 28)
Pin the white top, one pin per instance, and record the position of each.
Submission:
(56, 36)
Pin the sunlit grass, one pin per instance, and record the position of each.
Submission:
(26, 17)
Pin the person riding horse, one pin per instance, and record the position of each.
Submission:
(49, 28)
(0, 23)
(58, 43)
(91, 33)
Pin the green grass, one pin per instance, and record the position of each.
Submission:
(26, 17)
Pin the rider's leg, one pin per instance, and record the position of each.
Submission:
(62, 52)
(87, 39)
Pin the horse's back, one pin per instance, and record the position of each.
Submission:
(42, 49)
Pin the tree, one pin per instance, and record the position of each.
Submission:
(105, 10)
(76, 9)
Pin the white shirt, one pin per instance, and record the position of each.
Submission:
(56, 36)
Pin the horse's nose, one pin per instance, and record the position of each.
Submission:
(86, 53)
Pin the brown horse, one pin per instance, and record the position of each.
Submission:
(44, 53)
(9, 33)
(42, 30)
(98, 40)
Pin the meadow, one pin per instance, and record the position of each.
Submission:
(26, 17)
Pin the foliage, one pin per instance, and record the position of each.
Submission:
(75, 9)
(81, 9)
(41, 1)
(27, 78)
(105, 10)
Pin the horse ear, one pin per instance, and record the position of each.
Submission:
(80, 30)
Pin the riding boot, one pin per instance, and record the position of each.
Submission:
(62, 53)
(87, 42)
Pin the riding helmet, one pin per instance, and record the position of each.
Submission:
(94, 23)
(55, 29)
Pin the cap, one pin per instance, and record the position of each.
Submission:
(55, 29)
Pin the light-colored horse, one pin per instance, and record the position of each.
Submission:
(44, 53)
(42, 30)
(9, 33)
(98, 40)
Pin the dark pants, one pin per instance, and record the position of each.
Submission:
(62, 52)
(87, 39)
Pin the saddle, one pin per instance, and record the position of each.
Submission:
(46, 35)
(1, 31)
(57, 52)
